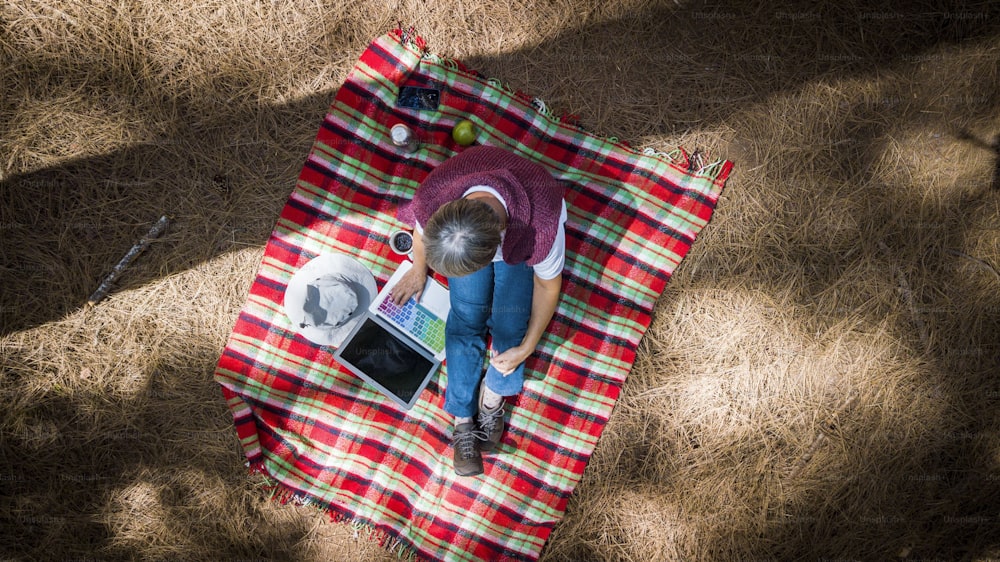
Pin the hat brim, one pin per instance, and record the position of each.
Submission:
(351, 270)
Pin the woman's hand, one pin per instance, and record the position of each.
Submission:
(410, 285)
(507, 361)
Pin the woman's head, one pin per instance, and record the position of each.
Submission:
(461, 237)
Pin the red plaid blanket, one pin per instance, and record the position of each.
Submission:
(329, 440)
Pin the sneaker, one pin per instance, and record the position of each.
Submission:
(490, 424)
(468, 461)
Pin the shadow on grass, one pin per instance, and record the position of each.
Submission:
(146, 476)
(993, 147)
(224, 170)
(222, 181)
(935, 498)
(673, 69)
(926, 492)
(65, 226)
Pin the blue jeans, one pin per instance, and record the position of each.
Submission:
(495, 300)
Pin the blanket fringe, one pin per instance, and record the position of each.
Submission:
(716, 171)
(277, 492)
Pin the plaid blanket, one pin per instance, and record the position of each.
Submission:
(327, 439)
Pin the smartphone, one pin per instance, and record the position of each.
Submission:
(418, 98)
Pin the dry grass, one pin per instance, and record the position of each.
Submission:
(820, 380)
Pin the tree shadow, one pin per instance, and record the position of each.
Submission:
(65, 226)
(662, 70)
(930, 492)
(993, 147)
(671, 69)
(130, 477)
(936, 497)
(223, 182)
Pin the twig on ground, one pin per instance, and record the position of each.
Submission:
(985, 264)
(907, 292)
(820, 439)
(127, 259)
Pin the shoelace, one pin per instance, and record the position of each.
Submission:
(488, 420)
(465, 442)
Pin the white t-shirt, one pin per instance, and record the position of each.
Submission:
(554, 261)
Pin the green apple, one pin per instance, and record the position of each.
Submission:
(464, 132)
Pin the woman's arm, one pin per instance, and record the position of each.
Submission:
(543, 305)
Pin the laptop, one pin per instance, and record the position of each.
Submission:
(398, 348)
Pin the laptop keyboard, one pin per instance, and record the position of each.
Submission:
(417, 321)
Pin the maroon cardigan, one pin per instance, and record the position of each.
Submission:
(534, 198)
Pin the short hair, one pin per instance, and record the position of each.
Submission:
(461, 237)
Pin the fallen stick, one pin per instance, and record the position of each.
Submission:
(130, 256)
(985, 265)
(907, 292)
(830, 424)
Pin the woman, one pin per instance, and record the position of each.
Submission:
(492, 223)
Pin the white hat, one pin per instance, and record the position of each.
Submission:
(328, 296)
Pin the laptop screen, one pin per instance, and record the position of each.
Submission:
(388, 361)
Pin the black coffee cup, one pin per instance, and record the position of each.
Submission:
(401, 242)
